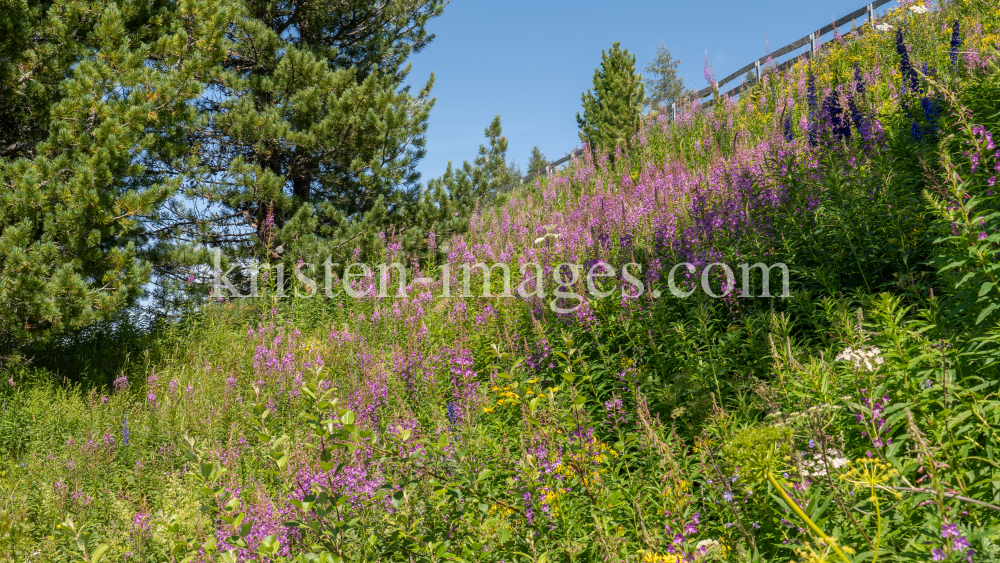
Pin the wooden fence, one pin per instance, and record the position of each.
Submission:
(808, 42)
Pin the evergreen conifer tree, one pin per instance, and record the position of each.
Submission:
(665, 87)
(308, 128)
(94, 97)
(447, 204)
(536, 161)
(612, 111)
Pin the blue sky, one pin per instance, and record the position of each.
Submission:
(530, 61)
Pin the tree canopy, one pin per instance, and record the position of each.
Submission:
(94, 99)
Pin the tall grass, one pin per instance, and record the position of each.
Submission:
(855, 420)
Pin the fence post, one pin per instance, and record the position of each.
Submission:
(871, 14)
(756, 65)
(812, 44)
(673, 111)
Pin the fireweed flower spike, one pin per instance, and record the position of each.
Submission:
(708, 73)
(811, 95)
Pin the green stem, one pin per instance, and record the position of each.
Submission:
(878, 525)
(802, 516)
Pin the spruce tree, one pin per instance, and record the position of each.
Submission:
(665, 87)
(612, 111)
(536, 161)
(95, 97)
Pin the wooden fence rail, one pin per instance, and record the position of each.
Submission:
(809, 41)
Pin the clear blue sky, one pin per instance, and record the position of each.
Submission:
(530, 61)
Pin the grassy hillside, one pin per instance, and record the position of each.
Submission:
(855, 419)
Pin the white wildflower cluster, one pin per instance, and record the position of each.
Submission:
(866, 358)
(798, 418)
(816, 466)
(706, 548)
(883, 27)
(542, 239)
(918, 9)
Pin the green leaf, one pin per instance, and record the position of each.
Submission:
(986, 312)
(98, 553)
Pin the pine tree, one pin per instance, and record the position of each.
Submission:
(447, 204)
(612, 111)
(100, 92)
(536, 161)
(308, 122)
(665, 87)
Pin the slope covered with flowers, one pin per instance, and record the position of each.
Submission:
(854, 420)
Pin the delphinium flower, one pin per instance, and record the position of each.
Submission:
(930, 112)
(788, 128)
(859, 121)
(906, 70)
(839, 126)
(125, 432)
(859, 83)
(956, 44)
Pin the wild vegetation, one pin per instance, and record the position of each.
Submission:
(854, 420)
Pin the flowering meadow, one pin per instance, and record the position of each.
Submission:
(856, 419)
